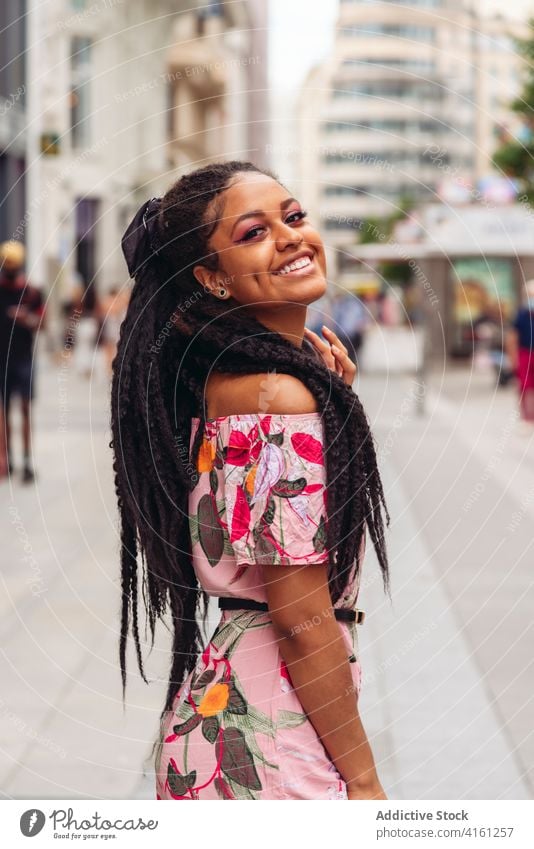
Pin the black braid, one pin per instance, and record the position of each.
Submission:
(172, 337)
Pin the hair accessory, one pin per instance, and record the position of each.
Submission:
(140, 241)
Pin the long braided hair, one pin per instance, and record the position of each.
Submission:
(172, 337)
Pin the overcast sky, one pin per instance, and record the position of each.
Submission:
(301, 34)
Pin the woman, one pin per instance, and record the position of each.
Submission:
(242, 457)
(521, 355)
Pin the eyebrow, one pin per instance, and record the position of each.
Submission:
(254, 212)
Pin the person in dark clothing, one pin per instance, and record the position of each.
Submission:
(21, 313)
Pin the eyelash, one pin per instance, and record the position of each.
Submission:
(300, 212)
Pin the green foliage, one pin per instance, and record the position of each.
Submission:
(515, 158)
(373, 228)
(398, 272)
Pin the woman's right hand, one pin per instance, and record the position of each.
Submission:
(373, 791)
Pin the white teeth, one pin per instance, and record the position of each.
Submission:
(299, 263)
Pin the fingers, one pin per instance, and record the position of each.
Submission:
(333, 339)
(344, 365)
(334, 354)
(317, 341)
(322, 347)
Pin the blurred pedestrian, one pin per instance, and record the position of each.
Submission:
(319, 314)
(490, 331)
(391, 315)
(352, 320)
(113, 308)
(413, 304)
(73, 290)
(21, 313)
(521, 352)
(3, 446)
(87, 325)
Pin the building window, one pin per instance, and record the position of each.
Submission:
(337, 191)
(214, 8)
(342, 222)
(411, 31)
(418, 65)
(13, 51)
(387, 125)
(86, 217)
(429, 4)
(80, 101)
(397, 89)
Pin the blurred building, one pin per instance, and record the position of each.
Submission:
(124, 96)
(12, 115)
(218, 84)
(404, 109)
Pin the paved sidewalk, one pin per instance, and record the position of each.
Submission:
(446, 696)
(63, 732)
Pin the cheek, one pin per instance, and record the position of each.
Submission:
(312, 237)
(245, 285)
(250, 272)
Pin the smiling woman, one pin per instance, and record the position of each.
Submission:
(243, 457)
(272, 259)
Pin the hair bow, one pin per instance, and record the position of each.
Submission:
(140, 240)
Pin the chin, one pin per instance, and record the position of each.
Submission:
(303, 292)
(310, 290)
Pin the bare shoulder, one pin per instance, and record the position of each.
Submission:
(228, 394)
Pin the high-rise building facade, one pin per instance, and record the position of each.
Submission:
(401, 109)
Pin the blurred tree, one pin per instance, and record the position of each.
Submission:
(373, 228)
(515, 156)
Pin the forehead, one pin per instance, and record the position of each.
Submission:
(251, 191)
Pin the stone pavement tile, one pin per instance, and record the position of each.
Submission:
(391, 350)
(474, 518)
(104, 743)
(59, 666)
(446, 735)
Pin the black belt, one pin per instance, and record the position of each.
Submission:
(341, 613)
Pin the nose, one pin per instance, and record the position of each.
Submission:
(286, 235)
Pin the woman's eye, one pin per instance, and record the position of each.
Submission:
(249, 234)
(300, 212)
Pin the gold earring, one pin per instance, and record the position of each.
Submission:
(222, 292)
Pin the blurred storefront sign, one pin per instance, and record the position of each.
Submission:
(479, 229)
(470, 262)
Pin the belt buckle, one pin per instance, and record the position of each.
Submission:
(360, 616)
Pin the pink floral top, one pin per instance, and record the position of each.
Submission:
(260, 499)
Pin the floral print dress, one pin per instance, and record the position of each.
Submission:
(237, 729)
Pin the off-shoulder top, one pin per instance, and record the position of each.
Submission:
(259, 497)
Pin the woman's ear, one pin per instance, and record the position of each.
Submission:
(205, 277)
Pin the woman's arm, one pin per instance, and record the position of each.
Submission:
(312, 645)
